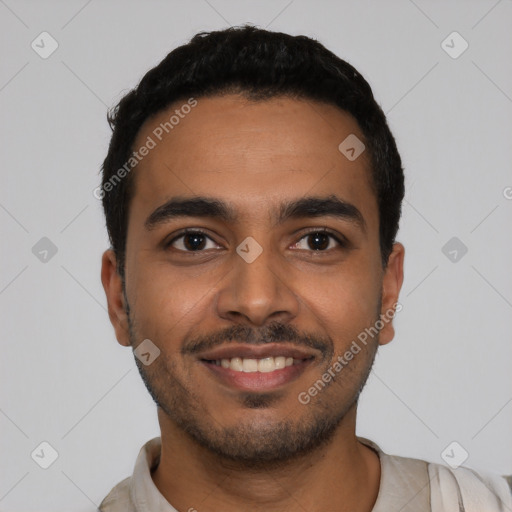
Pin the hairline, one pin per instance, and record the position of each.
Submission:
(255, 96)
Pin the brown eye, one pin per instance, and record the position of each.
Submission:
(319, 241)
(191, 241)
(194, 241)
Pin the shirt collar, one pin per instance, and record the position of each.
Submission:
(144, 493)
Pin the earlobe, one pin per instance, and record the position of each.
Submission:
(113, 286)
(391, 285)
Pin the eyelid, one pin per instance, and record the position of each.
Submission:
(338, 237)
(186, 231)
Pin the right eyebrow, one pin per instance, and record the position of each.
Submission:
(190, 207)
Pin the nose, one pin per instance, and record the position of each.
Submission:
(257, 291)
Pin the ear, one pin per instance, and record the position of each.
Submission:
(391, 285)
(113, 286)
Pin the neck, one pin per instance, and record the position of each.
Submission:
(343, 475)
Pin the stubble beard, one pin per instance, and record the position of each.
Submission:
(254, 445)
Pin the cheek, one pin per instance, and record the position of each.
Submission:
(344, 301)
(163, 303)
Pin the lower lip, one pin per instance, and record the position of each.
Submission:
(258, 381)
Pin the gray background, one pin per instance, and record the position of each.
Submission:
(65, 380)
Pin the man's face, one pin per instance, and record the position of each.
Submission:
(263, 288)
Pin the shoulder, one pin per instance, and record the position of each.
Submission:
(417, 484)
(469, 489)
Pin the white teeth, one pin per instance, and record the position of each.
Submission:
(236, 364)
(280, 362)
(264, 365)
(249, 365)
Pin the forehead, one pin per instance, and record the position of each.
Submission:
(251, 154)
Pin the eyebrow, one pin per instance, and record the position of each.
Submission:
(200, 206)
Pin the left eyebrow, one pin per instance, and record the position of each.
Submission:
(306, 207)
(330, 206)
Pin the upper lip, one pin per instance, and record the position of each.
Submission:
(256, 351)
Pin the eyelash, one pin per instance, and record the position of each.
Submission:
(342, 242)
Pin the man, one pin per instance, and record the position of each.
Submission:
(252, 192)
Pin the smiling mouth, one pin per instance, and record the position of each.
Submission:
(257, 368)
(262, 365)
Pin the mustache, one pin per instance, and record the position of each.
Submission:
(274, 332)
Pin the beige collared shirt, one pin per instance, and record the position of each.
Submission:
(406, 485)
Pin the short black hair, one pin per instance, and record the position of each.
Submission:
(259, 64)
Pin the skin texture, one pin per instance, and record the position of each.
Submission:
(224, 449)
